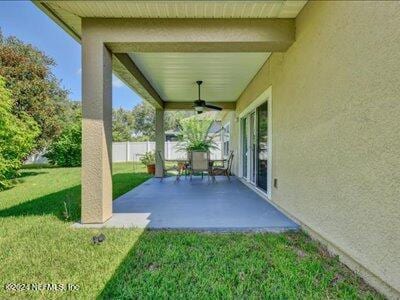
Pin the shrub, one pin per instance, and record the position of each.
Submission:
(17, 137)
(66, 150)
(148, 158)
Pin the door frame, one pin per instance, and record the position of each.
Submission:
(246, 119)
(265, 96)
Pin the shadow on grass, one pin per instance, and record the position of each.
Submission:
(54, 203)
(170, 264)
(38, 166)
(30, 173)
(20, 178)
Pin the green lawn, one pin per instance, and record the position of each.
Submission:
(37, 245)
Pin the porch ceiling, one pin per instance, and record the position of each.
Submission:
(174, 75)
(162, 47)
(69, 13)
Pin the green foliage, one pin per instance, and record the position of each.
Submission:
(34, 88)
(144, 127)
(138, 124)
(66, 150)
(123, 125)
(194, 134)
(172, 119)
(148, 158)
(17, 136)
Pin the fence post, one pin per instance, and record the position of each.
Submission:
(168, 150)
(147, 146)
(127, 151)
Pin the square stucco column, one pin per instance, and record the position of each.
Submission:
(160, 141)
(96, 132)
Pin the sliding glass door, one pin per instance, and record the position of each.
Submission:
(253, 144)
(254, 132)
(244, 147)
(262, 158)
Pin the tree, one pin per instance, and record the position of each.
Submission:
(17, 136)
(144, 120)
(172, 119)
(138, 124)
(144, 128)
(33, 86)
(66, 149)
(123, 125)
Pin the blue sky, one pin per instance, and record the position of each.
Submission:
(25, 21)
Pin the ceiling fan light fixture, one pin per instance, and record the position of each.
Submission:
(201, 105)
(199, 109)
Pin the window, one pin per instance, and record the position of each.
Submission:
(226, 138)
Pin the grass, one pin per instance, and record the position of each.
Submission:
(37, 245)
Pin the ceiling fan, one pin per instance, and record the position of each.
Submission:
(201, 105)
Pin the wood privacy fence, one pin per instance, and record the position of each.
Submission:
(132, 151)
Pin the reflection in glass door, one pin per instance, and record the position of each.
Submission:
(253, 149)
(244, 147)
(262, 161)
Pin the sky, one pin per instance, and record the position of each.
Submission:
(29, 24)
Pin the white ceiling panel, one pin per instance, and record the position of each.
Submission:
(180, 8)
(72, 11)
(174, 75)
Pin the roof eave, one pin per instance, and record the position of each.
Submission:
(52, 15)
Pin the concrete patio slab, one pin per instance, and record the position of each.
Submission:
(196, 205)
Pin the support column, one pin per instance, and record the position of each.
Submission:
(96, 131)
(160, 141)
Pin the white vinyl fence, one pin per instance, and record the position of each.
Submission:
(132, 151)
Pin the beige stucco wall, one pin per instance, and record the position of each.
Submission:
(336, 141)
(96, 131)
(160, 142)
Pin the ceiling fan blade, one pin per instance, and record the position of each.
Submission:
(212, 106)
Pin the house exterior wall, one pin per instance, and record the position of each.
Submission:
(336, 142)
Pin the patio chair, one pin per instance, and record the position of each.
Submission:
(223, 170)
(199, 162)
(184, 167)
(165, 169)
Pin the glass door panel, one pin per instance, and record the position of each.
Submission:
(253, 149)
(244, 147)
(262, 145)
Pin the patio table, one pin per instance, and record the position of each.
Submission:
(184, 163)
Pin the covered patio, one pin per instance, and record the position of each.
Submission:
(196, 205)
(162, 61)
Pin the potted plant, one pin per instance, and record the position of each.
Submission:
(194, 136)
(149, 160)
